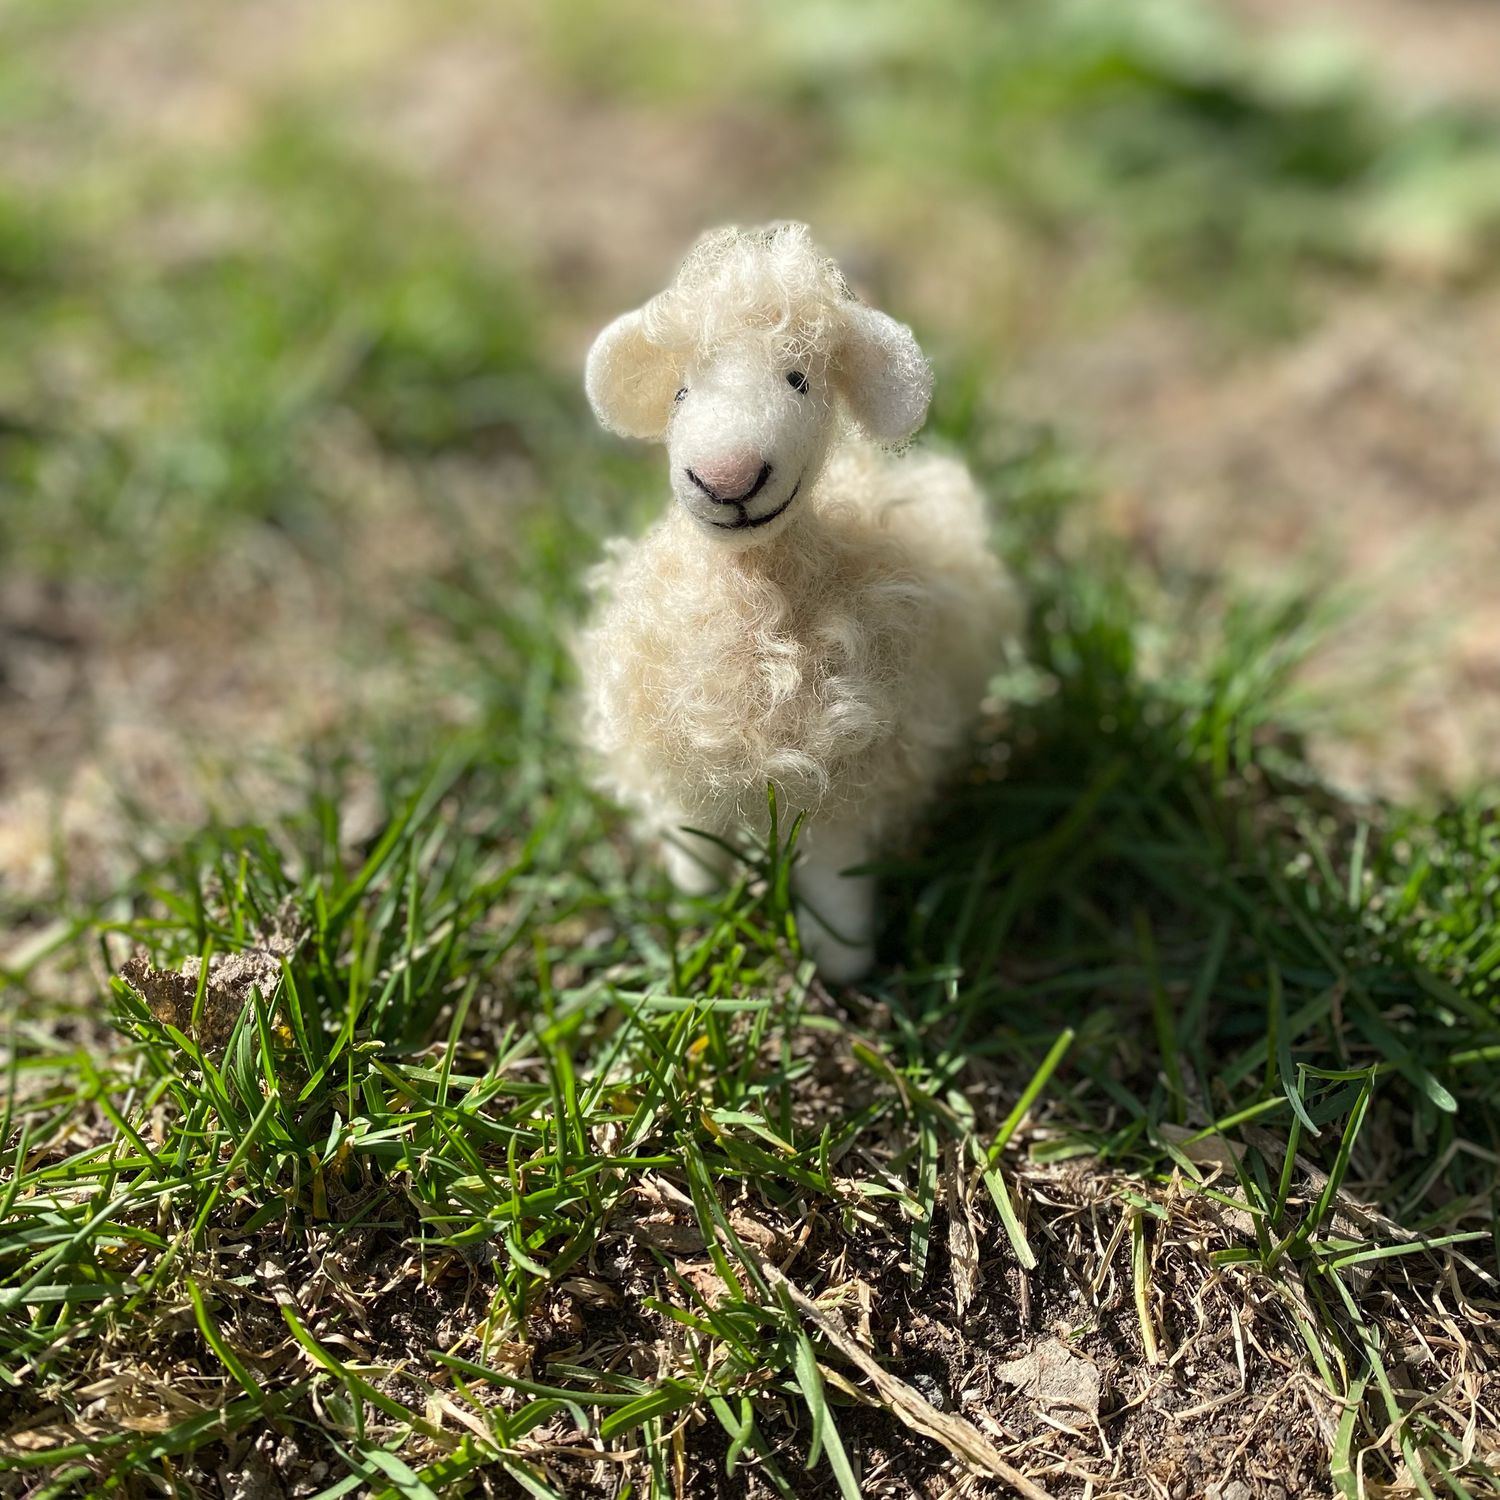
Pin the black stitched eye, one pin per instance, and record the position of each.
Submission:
(680, 394)
(797, 380)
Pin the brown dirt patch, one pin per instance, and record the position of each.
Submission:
(595, 194)
(1366, 455)
(123, 729)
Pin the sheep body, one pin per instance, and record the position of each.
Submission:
(815, 613)
(844, 664)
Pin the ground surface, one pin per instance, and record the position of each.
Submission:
(298, 488)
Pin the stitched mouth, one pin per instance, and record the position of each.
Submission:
(745, 522)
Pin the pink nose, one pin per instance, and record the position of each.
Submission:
(729, 475)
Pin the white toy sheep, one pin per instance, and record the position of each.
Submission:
(812, 613)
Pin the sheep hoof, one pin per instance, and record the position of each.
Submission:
(837, 962)
(836, 919)
(695, 871)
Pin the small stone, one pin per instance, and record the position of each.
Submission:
(930, 1390)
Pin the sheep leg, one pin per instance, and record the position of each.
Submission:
(695, 865)
(837, 911)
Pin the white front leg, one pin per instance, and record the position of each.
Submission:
(836, 912)
(695, 865)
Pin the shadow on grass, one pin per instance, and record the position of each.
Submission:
(1148, 858)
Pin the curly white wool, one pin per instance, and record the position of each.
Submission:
(732, 281)
(828, 622)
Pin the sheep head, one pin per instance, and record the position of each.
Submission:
(749, 367)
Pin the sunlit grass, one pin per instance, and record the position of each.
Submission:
(444, 1145)
(188, 342)
(487, 1036)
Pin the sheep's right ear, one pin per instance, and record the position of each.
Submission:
(631, 381)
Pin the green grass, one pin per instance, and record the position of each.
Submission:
(1148, 144)
(202, 326)
(1203, 165)
(1154, 913)
(495, 1156)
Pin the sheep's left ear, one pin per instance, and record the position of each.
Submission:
(883, 374)
(631, 381)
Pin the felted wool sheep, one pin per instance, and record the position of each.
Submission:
(814, 612)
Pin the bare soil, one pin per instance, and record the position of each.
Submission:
(1365, 457)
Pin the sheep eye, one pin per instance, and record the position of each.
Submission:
(680, 394)
(797, 380)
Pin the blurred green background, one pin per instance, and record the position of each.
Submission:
(293, 300)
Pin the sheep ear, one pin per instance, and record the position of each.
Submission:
(883, 374)
(631, 381)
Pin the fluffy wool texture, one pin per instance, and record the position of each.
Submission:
(732, 281)
(835, 643)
